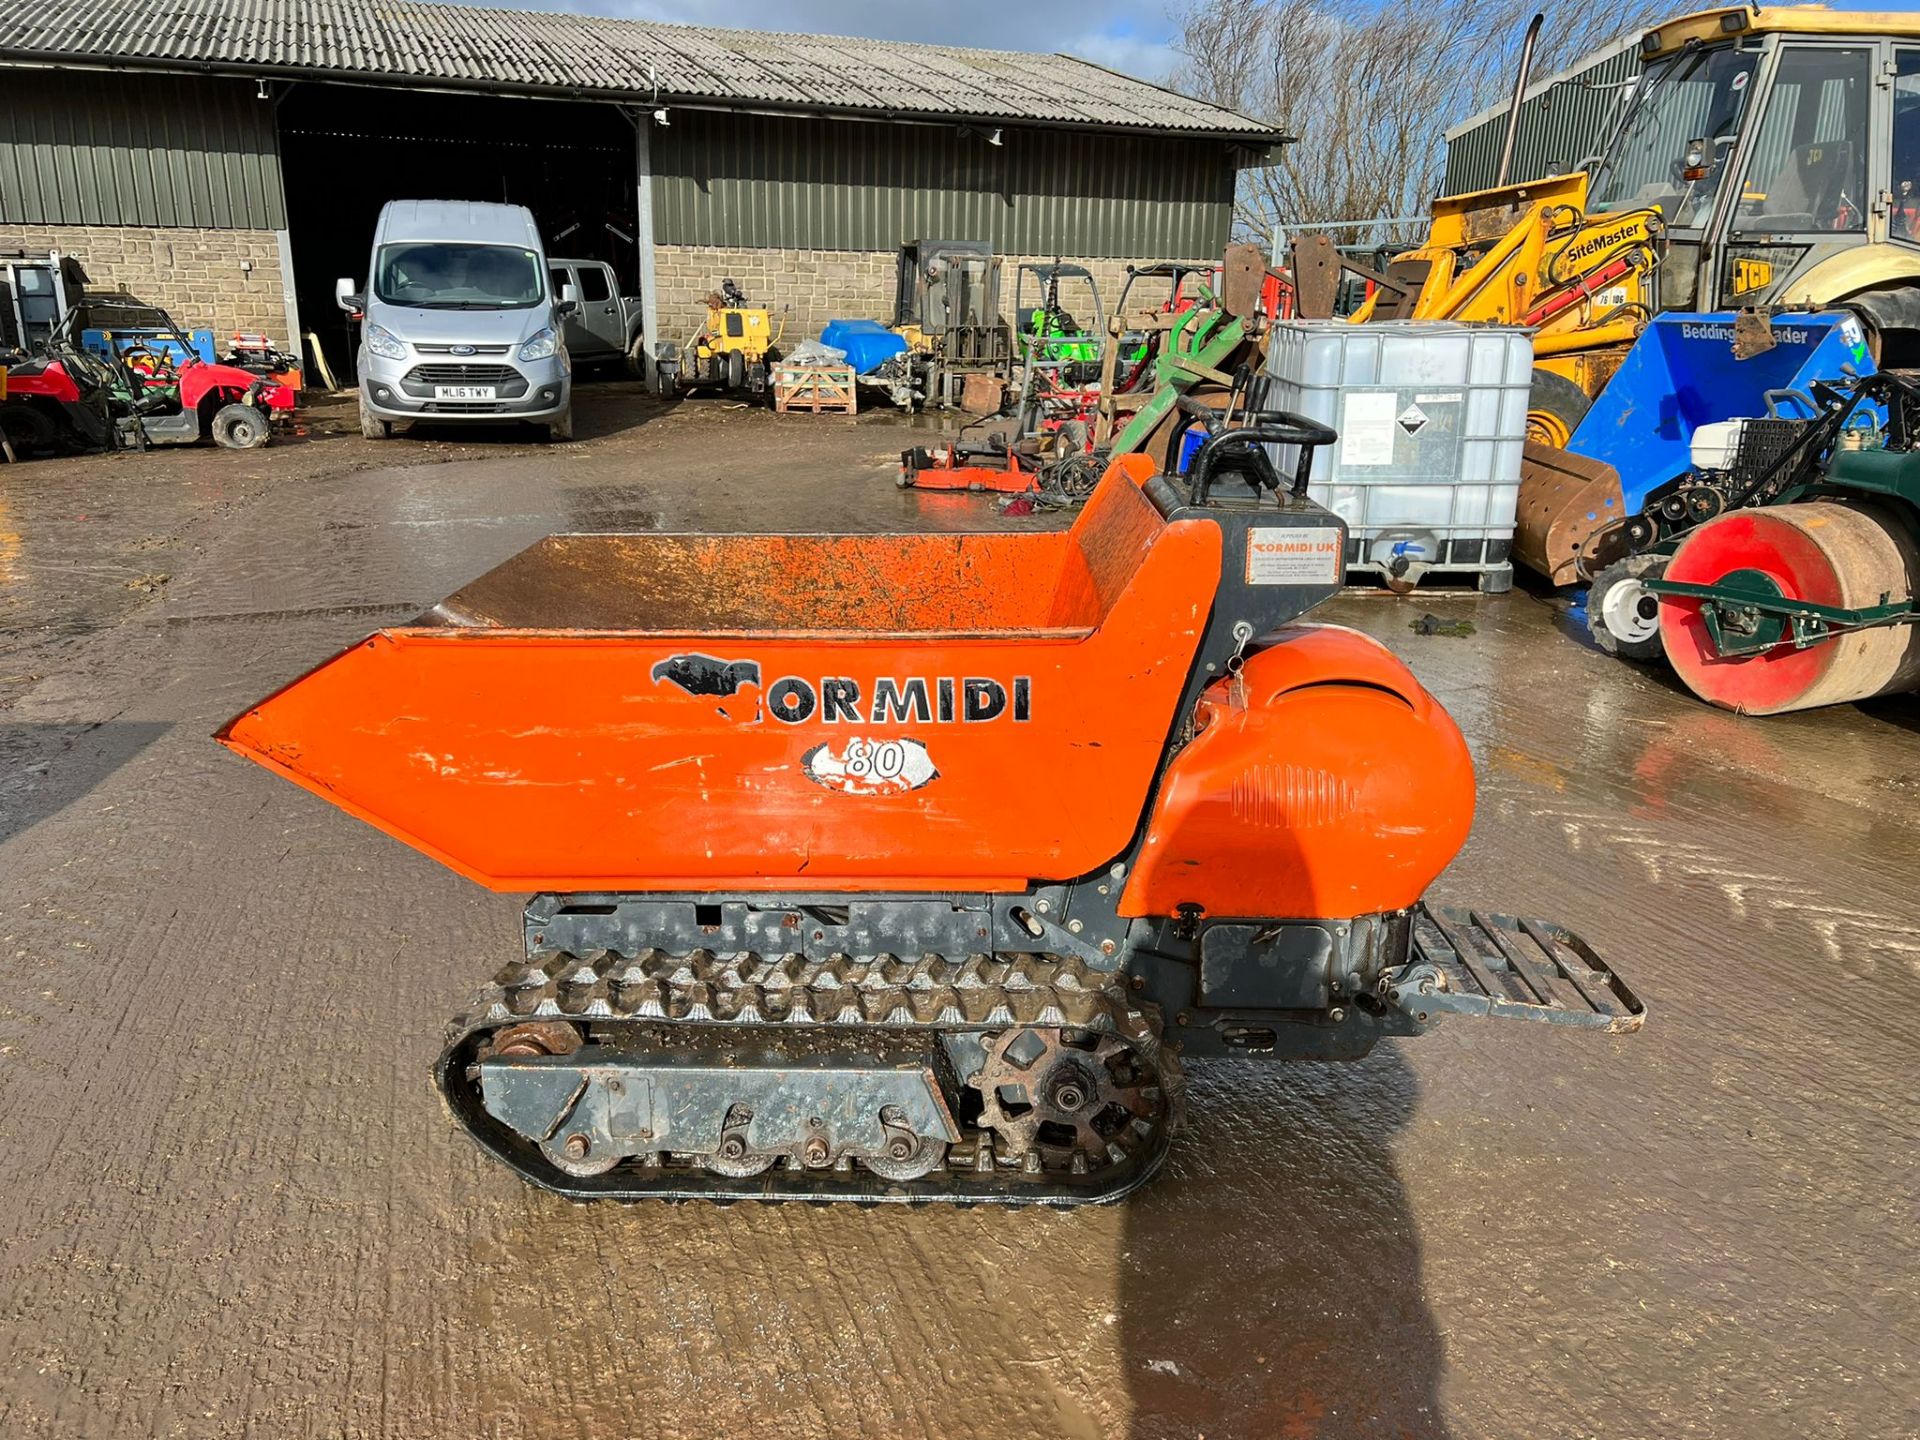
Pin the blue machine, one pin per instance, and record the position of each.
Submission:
(1682, 374)
(163, 343)
(868, 343)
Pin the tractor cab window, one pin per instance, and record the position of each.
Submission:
(1809, 167)
(1906, 146)
(1673, 146)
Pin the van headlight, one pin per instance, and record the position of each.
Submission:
(384, 343)
(539, 347)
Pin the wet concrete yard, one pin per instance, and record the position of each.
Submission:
(232, 1206)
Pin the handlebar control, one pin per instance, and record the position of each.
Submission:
(1246, 444)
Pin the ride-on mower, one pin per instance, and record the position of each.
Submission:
(912, 867)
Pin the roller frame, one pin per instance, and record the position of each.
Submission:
(1734, 612)
(1810, 624)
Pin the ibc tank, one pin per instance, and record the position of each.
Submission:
(1432, 417)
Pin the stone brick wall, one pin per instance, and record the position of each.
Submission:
(820, 285)
(199, 276)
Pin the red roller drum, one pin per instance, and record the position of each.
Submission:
(1827, 553)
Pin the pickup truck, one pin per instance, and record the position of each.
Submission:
(607, 324)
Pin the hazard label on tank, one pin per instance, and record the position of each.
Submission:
(871, 767)
(1412, 419)
(1278, 555)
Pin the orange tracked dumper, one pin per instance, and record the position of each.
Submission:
(907, 867)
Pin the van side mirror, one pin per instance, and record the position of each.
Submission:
(569, 299)
(347, 297)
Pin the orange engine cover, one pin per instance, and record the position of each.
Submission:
(1323, 782)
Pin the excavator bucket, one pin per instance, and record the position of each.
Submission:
(1565, 500)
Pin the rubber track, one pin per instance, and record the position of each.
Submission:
(768, 995)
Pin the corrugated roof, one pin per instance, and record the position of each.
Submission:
(539, 53)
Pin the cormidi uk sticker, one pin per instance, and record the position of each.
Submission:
(1286, 555)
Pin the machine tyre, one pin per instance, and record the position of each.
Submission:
(1622, 615)
(1555, 408)
(239, 427)
(372, 427)
(1891, 316)
(28, 427)
(736, 370)
(1834, 553)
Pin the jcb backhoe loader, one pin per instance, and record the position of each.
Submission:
(1767, 157)
(909, 867)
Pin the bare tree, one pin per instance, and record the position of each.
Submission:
(1368, 88)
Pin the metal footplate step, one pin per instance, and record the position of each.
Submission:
(1468, 962)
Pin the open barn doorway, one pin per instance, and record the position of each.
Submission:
(346, 150)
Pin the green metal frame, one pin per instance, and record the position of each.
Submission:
(1746, 614)
(1205, 337)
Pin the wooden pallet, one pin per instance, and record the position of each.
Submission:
(816, 389)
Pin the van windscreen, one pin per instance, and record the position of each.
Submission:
(441, 275)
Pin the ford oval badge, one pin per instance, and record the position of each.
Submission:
(461, 349)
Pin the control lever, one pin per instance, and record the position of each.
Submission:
(1259, 429)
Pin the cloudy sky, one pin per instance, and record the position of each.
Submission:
(1129, 35)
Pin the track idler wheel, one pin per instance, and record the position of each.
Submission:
(535, 1037)
(907, 1156)
(1843, 555)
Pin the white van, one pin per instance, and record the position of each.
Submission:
(459, 320)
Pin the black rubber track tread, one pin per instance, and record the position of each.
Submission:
(873, 997)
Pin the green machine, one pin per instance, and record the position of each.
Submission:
(1049, 331)
(1199, 345)
(1789, 576)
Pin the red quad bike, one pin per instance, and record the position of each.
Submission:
(197, 401)
(59, 400)
(69, 398)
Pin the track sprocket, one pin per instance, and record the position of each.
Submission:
(1077, 1097)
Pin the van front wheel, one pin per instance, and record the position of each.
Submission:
(561, 426)
(372, 427)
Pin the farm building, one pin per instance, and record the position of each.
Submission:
(227, 158)
(1565, 119)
